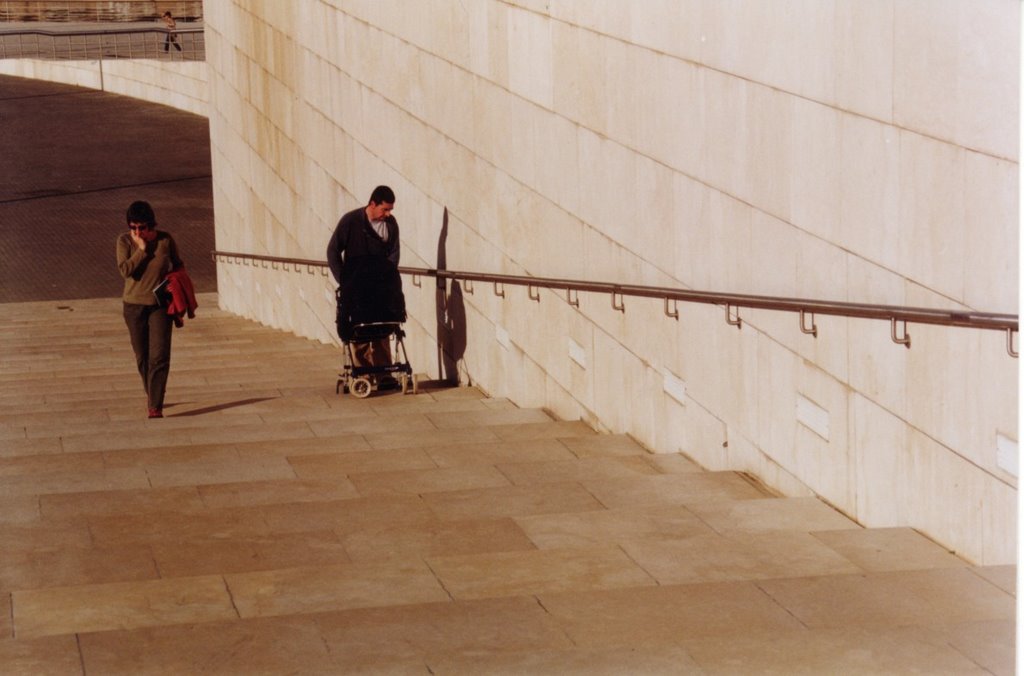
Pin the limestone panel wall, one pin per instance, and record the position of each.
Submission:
(834, 149)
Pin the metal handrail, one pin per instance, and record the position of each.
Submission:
(11, 40)
(895, 314)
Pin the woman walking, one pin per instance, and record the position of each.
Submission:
(144, 257)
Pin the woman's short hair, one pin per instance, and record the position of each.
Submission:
(140, 212)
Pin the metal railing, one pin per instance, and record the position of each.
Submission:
(806, 309)
(137, 42)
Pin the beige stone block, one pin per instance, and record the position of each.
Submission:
(473, 419)
(672, 489)
(534, 473)
(982, 529)
(870, 192)
(23, 466)
(947, 595)
(950, 81)
(864, 57)
(49, 655)
(560, 429)
(251, 645)
(199, 473)
(644, 616)
(991, 252)
(512, 501)
(777, 383)
(342, 465)
(851, 650)
(345, 516)
(22, 446)
(119, 528)
(824, 462)
(419, 481)
(521, 573)
(799, 514)
(599, 445)
(120, 605)
(20, 509)
(435, 538)
(399, 440)
(487, 626)
(216, 555)
(1002, 576)
(726, 113)
(931, 234)
(347, 443)
(988, 644)
(538, 450)
(715, 558)
(75, 482)
(888, 549)
(647, 660)
(529, 56)
(169, 455)
(36, 568)
(248, 493)
(82, 504)
(672, 463)
(601, 527)
(31, 536)
(878, 440)
(324, 588)
(769, 162)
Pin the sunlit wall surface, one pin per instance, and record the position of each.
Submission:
(834, 149)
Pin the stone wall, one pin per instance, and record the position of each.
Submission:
(834, 149)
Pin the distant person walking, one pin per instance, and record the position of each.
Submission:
(172, 39)
(145, 256)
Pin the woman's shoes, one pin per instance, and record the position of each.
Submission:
(156, 413)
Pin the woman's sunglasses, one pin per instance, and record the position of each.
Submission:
(140, 228)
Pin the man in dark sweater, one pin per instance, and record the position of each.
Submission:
(365, 238)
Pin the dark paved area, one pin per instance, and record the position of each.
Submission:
(71, 161)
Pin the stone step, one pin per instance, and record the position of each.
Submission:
(271, 522)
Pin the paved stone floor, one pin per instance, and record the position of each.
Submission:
(72, 161)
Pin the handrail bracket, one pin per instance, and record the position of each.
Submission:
(905, 339)
(730, 320)
(811, 330)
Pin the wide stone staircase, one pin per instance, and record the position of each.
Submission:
(269, 525)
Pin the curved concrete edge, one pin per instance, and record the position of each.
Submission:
(181, 85)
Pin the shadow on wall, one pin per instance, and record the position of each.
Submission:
(451, 316)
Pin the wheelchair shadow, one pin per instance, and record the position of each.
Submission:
(451, 316)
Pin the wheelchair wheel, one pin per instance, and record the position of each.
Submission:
(361, 387)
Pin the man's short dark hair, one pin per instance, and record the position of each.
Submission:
(382, 194)
(140, 212)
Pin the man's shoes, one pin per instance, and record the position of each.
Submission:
(156, 413)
